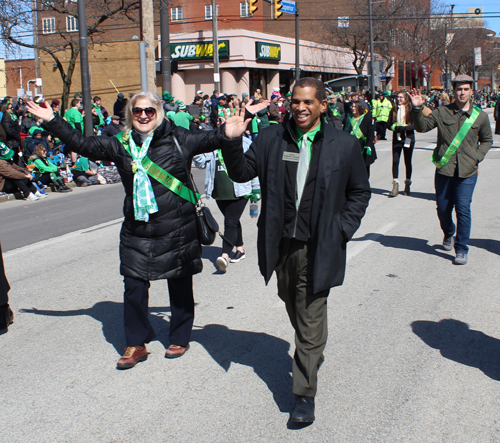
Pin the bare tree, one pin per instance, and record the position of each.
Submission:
(16, 20)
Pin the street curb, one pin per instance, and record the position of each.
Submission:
(18, 195)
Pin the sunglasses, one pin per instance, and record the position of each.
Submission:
(150, 112)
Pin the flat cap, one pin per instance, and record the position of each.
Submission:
(463, 78)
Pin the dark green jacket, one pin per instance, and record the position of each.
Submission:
(448, 119)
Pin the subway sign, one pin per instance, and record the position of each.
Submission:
(198, 50)
(267, 51)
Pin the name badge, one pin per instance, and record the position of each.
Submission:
(291, 156)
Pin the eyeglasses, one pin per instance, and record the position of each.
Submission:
(150, 112)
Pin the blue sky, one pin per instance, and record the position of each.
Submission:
(491, 10)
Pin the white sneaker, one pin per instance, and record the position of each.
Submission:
(222, 264)
(40, 195)
(32, 197)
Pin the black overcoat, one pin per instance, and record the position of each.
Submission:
(167, 245)
(341, 196)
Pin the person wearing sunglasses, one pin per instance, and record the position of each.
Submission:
(159, 237)
(10, 123)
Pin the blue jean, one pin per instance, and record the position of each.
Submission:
(455, 192)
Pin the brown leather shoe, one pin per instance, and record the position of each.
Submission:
(176, 351)
(132, 356)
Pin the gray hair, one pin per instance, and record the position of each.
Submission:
(155, 103)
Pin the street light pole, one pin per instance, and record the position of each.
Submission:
(84, 68)
(372, 61)
(166, 74)
(215, 43)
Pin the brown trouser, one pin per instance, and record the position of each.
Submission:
(307, 313)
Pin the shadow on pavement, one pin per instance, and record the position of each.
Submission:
(421, 195)
(487, 244)
(457, 342)
(110, 314)
(409, 243)
(267, 355)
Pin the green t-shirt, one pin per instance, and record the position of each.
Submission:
(82, 164)
(182, 119)
(73, 116)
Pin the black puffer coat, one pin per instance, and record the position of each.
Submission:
(167, 245)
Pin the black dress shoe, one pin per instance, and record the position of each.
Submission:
(304, 410)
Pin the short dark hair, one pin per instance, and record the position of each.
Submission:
(311, 82)
(74, 102)
(96, 98)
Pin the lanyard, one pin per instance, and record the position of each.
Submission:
(457, 141)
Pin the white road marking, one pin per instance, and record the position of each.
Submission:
(61, 238)
(368, 240)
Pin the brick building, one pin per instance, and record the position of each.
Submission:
(256, 51)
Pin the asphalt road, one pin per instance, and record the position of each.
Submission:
(413, 352)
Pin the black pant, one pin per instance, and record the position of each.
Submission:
(381, 129)
(396, 156)
(232, 210)
(24, 185)
(138, 328)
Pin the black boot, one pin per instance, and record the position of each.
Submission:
(6, 317)
(61, 187)
(407, 187)
(304, 410)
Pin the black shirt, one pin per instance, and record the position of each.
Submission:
(297, 225)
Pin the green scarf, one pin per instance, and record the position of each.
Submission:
(144, 197)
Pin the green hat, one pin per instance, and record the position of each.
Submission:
(387, 93)
(167, 97)
(182, 105)
(288, 94)
(5, 152)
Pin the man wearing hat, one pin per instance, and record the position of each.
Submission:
(113, 128)
(169, 104)
(182, 118)
(464, 138)
(335, 112)
(13, 178)
(119, 106)
(383, 111)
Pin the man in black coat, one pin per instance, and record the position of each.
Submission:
(312, 204)
(6, 314)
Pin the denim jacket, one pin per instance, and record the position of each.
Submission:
(208, 161)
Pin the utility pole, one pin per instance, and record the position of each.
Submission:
(35, 43)
(84, 68)
(215, 39)
(297, 42)
(147, 36)
(372, 61)
(166, 74)
(451, 31)
(446, 83)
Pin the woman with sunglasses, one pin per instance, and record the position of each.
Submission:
(12, 127)
(159, 238)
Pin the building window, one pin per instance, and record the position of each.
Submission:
(245, 9)
(176, 14)
(401, 74)
(208, 12)
(49, 25)
(71, 23)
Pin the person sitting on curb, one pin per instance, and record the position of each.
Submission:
(13, 178)
(83, 174)
(46, 172)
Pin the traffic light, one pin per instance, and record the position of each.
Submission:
(277, 7)
(478, 11)
(253, 6)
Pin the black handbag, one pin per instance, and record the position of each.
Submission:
(205, 222)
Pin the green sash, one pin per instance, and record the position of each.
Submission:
(356, 131)
(164, 177)
(457, 141)
(335, 112)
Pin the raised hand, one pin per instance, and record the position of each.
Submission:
(46, 114)
(254, 108)
(416, 98)
(235, 126)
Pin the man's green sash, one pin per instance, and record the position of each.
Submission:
(457, 141)
(165, 178)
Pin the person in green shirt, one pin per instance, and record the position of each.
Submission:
(182, 118)
(73, 115)
(83, 174)
(46, 172)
